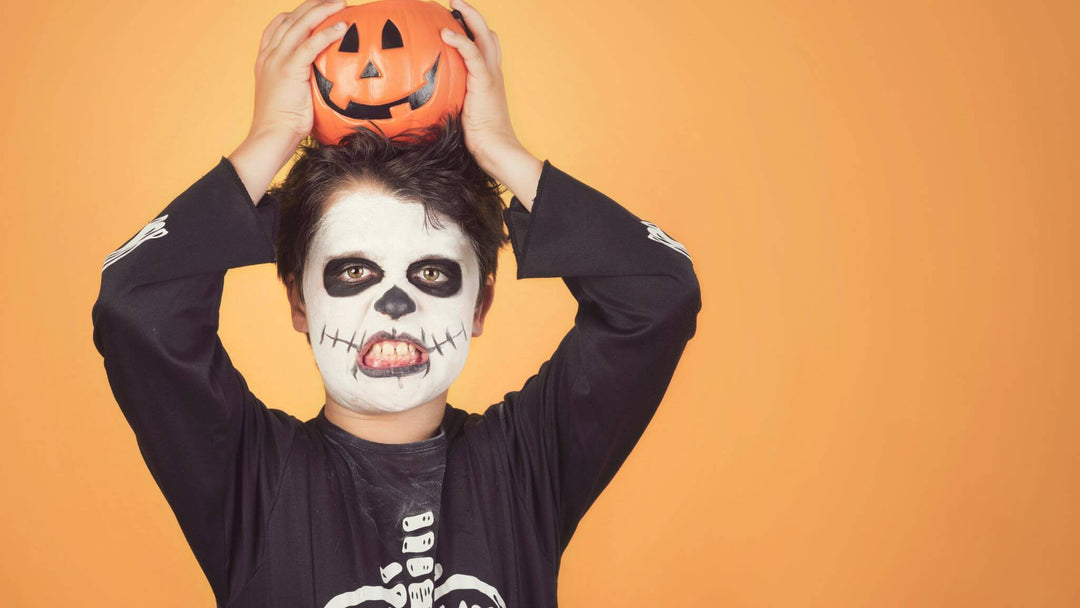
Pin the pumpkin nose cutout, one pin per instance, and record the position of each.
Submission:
(370, 71)
(395, 303)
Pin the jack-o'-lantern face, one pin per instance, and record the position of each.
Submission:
(390, 71)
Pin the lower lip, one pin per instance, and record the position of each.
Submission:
(387, 372)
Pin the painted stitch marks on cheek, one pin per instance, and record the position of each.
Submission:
(394, 353)
(437, 345)
(335, 339)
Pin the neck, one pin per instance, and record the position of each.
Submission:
(408, 426)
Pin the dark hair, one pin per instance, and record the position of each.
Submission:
(430, 165)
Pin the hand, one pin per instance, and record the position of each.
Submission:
(284, 114)
(485, 117)
(283, 68)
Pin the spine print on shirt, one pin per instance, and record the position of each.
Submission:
(658, 235)
(152, 230)
(456, 591)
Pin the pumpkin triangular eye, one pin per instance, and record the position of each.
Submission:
(351, 42)
(391, 37)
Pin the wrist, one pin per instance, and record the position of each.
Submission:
(517, 169)
(494, 157)
(258, 159)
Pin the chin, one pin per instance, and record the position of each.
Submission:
(383, 401)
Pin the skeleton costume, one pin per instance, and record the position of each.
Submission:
(291, 513)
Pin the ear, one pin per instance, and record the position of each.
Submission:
(299, 313)
(485, 305)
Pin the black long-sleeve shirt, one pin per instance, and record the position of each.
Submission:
(283, 512)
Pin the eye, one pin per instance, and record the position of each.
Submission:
(350, 43)
(431, 274)
(356, 272)
(391, 37)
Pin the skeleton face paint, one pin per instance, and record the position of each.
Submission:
(389, 301)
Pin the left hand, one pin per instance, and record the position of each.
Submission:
(485, 116)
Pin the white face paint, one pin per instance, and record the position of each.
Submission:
(389, 301)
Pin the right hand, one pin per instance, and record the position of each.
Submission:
(283, 70)
(284, 114)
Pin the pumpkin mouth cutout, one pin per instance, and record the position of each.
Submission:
(363, 111)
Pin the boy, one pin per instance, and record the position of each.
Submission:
(390, 495)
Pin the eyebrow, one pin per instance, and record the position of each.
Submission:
(357, 253)
(352, 253)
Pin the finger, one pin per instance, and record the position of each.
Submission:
(474, 61)
(478, 26)
(268, 33)
(302, 12)
(289, 18)
(317, 42)
(498, 49)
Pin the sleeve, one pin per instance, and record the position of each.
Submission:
(573, 423)
(214, 449)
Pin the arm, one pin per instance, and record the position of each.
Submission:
(572, 425)
(213, 448)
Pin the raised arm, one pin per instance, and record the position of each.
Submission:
(572, 425)
(215, 450)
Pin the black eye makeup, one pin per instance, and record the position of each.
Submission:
(437, 276)
(345, 277)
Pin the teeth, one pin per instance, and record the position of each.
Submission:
(390, 348)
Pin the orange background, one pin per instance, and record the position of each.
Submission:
(880, 407)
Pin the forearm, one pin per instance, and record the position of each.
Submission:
(517, 169)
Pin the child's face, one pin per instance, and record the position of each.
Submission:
(389, 301)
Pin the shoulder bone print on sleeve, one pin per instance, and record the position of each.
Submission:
(658, 235)
(152, 230)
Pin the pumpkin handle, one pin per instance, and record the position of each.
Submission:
(456, 14)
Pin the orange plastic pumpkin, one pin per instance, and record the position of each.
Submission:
(389, 72)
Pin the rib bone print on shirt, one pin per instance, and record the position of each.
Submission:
(152, 230)
(466, 590)
(658, 235)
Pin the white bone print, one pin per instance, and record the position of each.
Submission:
(416, 522)
(395, 597)
(419, 565)
(422, 593)
(154, 229)
(658, 235)
(389, 571)
(418, 544)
